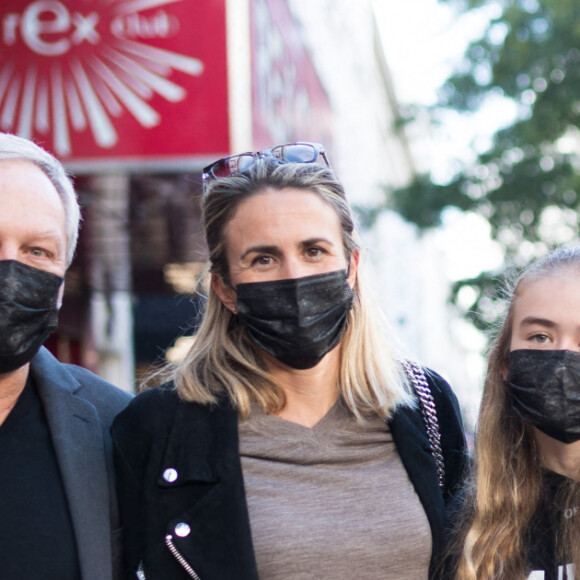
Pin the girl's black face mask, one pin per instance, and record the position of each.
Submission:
(299, 320)
(28, 312)
(545, 391)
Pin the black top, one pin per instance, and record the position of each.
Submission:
(181, 489)
(549, 518)
(36, 534)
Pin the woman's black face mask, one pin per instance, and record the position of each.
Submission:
(28, 312)
(297, 321)
(545, 391)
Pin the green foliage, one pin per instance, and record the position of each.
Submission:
(487, 304)
(531, 173)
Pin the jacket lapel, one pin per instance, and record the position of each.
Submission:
(207, 468)
(79, 445)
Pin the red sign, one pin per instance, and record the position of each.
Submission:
(96, 80)
(289, 102)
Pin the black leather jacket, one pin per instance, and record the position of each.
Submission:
(181, 489)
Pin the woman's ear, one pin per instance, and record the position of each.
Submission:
(352, 267)
(225, 293)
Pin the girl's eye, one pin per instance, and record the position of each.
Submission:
(540, 338)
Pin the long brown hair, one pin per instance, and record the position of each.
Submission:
(507, 487)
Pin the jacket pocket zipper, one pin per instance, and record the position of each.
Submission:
(177, 555)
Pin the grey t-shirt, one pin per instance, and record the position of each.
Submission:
(332, 501)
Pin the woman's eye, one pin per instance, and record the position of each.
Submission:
(314, 252)
(262, 260)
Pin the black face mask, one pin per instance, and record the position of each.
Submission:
(28, 312)
(545, 390)
(299, 320)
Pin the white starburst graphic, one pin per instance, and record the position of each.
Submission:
(118, 72)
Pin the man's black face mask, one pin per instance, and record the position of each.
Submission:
(298, 320)
(545, 391)
(28, 312)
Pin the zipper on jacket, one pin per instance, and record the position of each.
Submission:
(141, 572)
(177, 555)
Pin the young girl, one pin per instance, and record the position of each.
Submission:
(521, 519)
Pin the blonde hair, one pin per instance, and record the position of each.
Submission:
(223, 360)
(507, 485)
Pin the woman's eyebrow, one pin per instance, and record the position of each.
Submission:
(317, 240)
(266, 249)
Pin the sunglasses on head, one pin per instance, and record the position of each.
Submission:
(301, 152)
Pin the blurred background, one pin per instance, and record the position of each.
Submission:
(452, 124)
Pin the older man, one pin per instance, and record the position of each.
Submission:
(58, 515)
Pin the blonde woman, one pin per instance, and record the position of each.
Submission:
(288, 444)
(521, 516)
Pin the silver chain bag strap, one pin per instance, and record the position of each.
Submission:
(429, 413)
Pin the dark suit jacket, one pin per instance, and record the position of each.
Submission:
(80, 408)
(198, 512)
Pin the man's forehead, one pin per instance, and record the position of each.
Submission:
(24, 187)
(26, 174)
(17, 165)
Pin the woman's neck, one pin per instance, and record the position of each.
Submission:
(309, 393)
(563, 458)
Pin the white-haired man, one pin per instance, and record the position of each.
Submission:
(58, 515)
